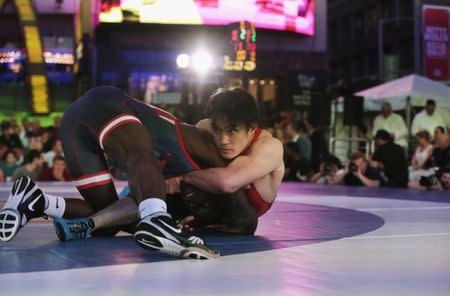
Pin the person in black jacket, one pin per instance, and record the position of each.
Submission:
(390, 159)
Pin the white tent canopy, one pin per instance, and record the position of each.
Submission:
(396, 92)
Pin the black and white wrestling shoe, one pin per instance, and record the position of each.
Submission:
(159, 232)
(26, 202)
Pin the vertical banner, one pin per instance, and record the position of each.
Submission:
(435, 30)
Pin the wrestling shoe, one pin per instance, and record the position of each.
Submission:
(25, 202)
(73, 229)
(159, 232)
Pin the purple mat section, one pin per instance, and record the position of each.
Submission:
(36, 247)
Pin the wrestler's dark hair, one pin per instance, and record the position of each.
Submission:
(235, 105)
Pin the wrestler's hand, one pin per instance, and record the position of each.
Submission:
(185, 223)
(173, 185)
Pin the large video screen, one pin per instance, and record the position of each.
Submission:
(286, 15)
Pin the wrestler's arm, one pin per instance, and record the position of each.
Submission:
(263, 159)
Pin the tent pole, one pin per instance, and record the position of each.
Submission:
(408, 117)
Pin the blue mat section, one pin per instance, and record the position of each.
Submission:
(36, 247)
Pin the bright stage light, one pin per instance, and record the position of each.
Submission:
(202, 62)
(183, 60)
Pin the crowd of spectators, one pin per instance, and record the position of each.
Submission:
(307, 158)
(31, 150)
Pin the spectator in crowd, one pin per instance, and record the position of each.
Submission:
(279, 134)
(445, 178)
(438, 132)
(296, 132)
(8, 138)
(427, 119)
(58, 172)
(296, 168)
(423, 151)
(393, 124)
(57, 150)
(35, 141)
(9, 164)
(420, 160)
(319, 145)
(441, 154)
(390, 159)
(32, 166)
(330, 171)
(360, 173)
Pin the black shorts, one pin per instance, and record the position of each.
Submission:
(93, 116)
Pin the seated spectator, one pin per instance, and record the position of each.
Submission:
(279, 134)
(423, 151)
(428, 119)
(360, 173)
(393, 124)
(8, 137)
(9, 164)
(445, 178)
(438, 132)
(330, 171)
(35, 141)
(58, 172)
(296, 132)
(441, 154)
(32, 166)
(390, 159)
(319, 146)
(296, 168)
(57, 150)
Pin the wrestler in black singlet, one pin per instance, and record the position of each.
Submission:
(106, 122)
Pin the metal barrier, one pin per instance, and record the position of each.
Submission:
(349, 141)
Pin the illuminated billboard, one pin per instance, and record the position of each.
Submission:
(286, 15)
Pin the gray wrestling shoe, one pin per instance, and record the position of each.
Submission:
(25, 202)
(159, 232)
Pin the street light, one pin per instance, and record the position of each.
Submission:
(183, 61)
(202, 62)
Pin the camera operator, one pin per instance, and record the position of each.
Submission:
(390, 159)
(330, 172)
(439, 182)
(360, 173)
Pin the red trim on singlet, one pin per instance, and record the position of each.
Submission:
(183, 148)
(90, 175)
(256, 201)
(94, 184)
(254, 198)
(177, 122)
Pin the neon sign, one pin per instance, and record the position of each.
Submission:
(242, 45)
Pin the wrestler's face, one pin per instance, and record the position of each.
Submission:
(231, 140)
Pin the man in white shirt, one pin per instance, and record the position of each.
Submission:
(393, 123)
(427, 119)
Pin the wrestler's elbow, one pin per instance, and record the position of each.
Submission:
(228, 185)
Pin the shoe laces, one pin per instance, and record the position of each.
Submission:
(195, 240)
(78, 229)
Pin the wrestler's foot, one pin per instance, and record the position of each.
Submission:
(159, 232)
(25, 202)
(73, 229)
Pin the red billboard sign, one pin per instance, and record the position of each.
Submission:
(435, 36)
